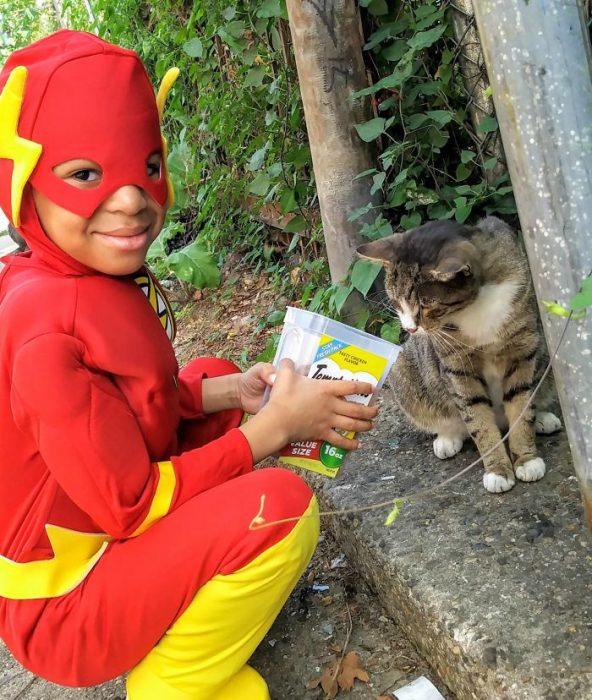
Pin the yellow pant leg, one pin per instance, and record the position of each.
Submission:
(203, 654)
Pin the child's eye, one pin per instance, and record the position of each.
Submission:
(86, 175)
(153, 167)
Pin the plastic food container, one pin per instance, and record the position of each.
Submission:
(325, 349)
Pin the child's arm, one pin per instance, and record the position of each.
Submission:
(91, 442)
(200, 394)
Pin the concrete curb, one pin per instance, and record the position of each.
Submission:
(493, 590)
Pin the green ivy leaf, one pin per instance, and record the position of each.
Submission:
(462, 172)
(391, 29)
(487, 125)
(416, 120)
(378, 8)
(340, 297)
(260, 185)
(288, 201)
(409, 221)
(556, 309)
(257, 159)
(193, 264)
(395, 512)
(193, 48)
(379, 228)
(422, 40)
(236, 28)
(440, 116)
(391, 331)
(254, 77)
(371, 130)
(363, 274)
(395, 51)
(377, 182)
(462, 212)
(296, 225)
(275, 317)
(270, 8)
(467, 156)
(582, 299)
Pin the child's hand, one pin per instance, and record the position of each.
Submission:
(252, 385)
(312, 409)
(300, 408)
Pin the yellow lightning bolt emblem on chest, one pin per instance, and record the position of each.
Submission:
(23, 153)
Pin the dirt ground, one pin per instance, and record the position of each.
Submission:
(332, 621)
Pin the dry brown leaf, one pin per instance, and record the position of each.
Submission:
(351, 668)
(329, 683)
(313, 683)
(384, 697)
(327, 600)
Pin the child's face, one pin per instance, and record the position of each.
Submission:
(116, 237)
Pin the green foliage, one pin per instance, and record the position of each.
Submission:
(395, 511)
(432, 164)
(23, 21)
(432, 161)
(578, 304)
(235, 127)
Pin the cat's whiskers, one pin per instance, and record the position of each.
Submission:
(462, 357)
(459, 341)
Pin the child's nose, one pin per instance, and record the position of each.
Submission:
(128, 198)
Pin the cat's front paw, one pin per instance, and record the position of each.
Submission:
(533, 470)
(546, 423)
(445, 447)
(495, 483)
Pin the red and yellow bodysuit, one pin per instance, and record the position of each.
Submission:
(124, 510)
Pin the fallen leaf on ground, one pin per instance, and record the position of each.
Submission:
(327, 682)
(351, 668)
(384, 697)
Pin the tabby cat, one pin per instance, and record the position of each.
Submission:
(475, 349)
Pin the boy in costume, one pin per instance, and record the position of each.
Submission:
(127, 487)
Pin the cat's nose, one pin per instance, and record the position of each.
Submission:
(412, 329)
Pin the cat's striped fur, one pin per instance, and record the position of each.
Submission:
(475, 348)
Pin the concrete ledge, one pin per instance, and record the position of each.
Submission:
(495, 591)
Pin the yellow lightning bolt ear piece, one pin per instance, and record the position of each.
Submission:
(165, 87)
(22, 152)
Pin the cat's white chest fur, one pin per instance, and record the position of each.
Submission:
(482, 320)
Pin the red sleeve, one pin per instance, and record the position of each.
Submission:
(92, 444)
(190, 394)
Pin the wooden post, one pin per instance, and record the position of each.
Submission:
(327, 47)
(539, 62)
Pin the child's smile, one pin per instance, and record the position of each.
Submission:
(116, 237)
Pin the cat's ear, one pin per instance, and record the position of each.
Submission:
(450, 268)
(382, 250)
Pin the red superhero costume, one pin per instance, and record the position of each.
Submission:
(124, 510)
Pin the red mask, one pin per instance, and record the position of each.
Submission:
(85, 98)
